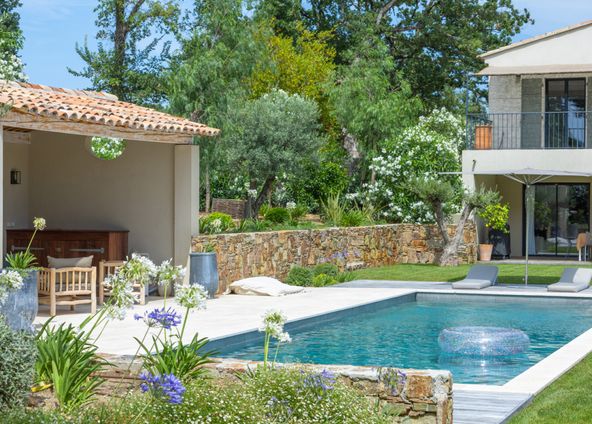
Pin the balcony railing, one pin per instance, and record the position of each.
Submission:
(529, 130)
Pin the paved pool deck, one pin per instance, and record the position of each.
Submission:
(232, 314)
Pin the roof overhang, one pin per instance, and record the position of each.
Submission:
(536, 70)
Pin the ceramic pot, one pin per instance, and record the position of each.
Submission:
(203, 269)
(20, 307)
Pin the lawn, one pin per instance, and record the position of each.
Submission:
(508, 273)
(567, 400)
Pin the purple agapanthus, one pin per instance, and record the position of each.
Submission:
(166, 387)
(163, 318)
(320, 382)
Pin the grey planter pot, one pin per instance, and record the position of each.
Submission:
(203, 269)
(20, 307)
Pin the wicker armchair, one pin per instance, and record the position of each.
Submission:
(67, 287)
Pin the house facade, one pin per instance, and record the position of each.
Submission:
(539, 117)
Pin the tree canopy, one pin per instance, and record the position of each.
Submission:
(11, 41)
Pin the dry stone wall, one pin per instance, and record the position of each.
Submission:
(242, 255)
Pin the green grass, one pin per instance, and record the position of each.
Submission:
(508, 273)
(567, 400)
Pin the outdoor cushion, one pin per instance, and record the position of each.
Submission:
(572, 280)
(479, 277)
(471, 284)
(84, 262)
(263, 286)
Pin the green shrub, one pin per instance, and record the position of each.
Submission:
(277, 215)
(216, 222)
(17, 366)
(344, 277)
(327, 269)
(252, 225)
(297, 212)
(299, 276)
(69, 362)
(353, 218)
(322, 280)
(332, 209)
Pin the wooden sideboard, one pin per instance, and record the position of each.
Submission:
(103, 245)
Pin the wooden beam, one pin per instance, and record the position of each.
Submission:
(43, 123)
(17, 137)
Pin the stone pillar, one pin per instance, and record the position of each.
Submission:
(186, 195)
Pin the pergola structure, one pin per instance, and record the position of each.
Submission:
(151, 190)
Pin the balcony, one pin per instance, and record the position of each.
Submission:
(529, 130)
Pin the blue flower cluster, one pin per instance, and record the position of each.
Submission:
(320, 382)
(163, 318)
(166, 387)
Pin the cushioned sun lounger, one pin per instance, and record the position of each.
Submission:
(572, 280)
(479, 277)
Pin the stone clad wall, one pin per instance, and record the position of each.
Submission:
(242, 255)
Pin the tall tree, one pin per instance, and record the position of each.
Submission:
(435, 43)
(218, 56)
(11, 41)
(133, 49)
(276, 133)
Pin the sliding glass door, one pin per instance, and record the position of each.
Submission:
(565, 117)
(560, 213)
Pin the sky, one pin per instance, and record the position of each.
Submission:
(53, 27)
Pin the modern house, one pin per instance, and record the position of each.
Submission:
(539, 118)
(149, 193)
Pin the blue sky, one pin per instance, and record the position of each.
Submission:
(52, 28)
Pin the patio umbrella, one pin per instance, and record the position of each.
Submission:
(528, 177)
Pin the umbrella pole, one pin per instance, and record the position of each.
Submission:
(527, 233)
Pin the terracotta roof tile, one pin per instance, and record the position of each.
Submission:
(94, 107)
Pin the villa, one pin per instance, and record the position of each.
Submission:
(539, 118)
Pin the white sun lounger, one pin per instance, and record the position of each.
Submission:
(479, 277)
(572, 280)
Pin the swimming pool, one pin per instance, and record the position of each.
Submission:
(403, 332)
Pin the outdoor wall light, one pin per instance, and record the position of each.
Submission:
(15, 176)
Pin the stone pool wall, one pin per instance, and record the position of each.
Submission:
(273, 253)
(413, 396)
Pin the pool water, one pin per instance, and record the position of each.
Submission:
(405, 335)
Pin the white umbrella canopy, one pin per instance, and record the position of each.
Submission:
(528, 177)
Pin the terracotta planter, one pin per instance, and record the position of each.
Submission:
(485, 252)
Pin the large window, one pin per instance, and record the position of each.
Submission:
(565, 117)
(560, 213)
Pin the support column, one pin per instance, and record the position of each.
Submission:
(186, 195)
(2, 179)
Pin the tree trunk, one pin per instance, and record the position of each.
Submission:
(449, 254)
(265, 191)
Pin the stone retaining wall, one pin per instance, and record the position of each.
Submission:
(419, 397)
(273, 253)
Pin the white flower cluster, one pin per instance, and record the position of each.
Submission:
(39, 224)
(139, 269)
(424, 150)
(193, 297)
(11, 67)
(273, 324)
(121, 295)
(291, 205)
(167, 273)
(10, 280)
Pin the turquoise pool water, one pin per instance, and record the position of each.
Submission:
(406, 334)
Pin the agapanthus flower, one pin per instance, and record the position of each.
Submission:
(39, 224)
(121, 296)
(320, 382)
(139, 269)
(193, 296)
(166, 387)
(10, 280)
(160, 318)
(167, 273)
(273, 324)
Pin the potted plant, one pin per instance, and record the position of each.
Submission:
(203, 269)
(495, 218)
(18, 285)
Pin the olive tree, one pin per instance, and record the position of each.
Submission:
(437, 194)
(273, 135)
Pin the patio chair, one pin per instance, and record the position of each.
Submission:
(107, 268)
(68, 287)
(479, 277)
(572, 280)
